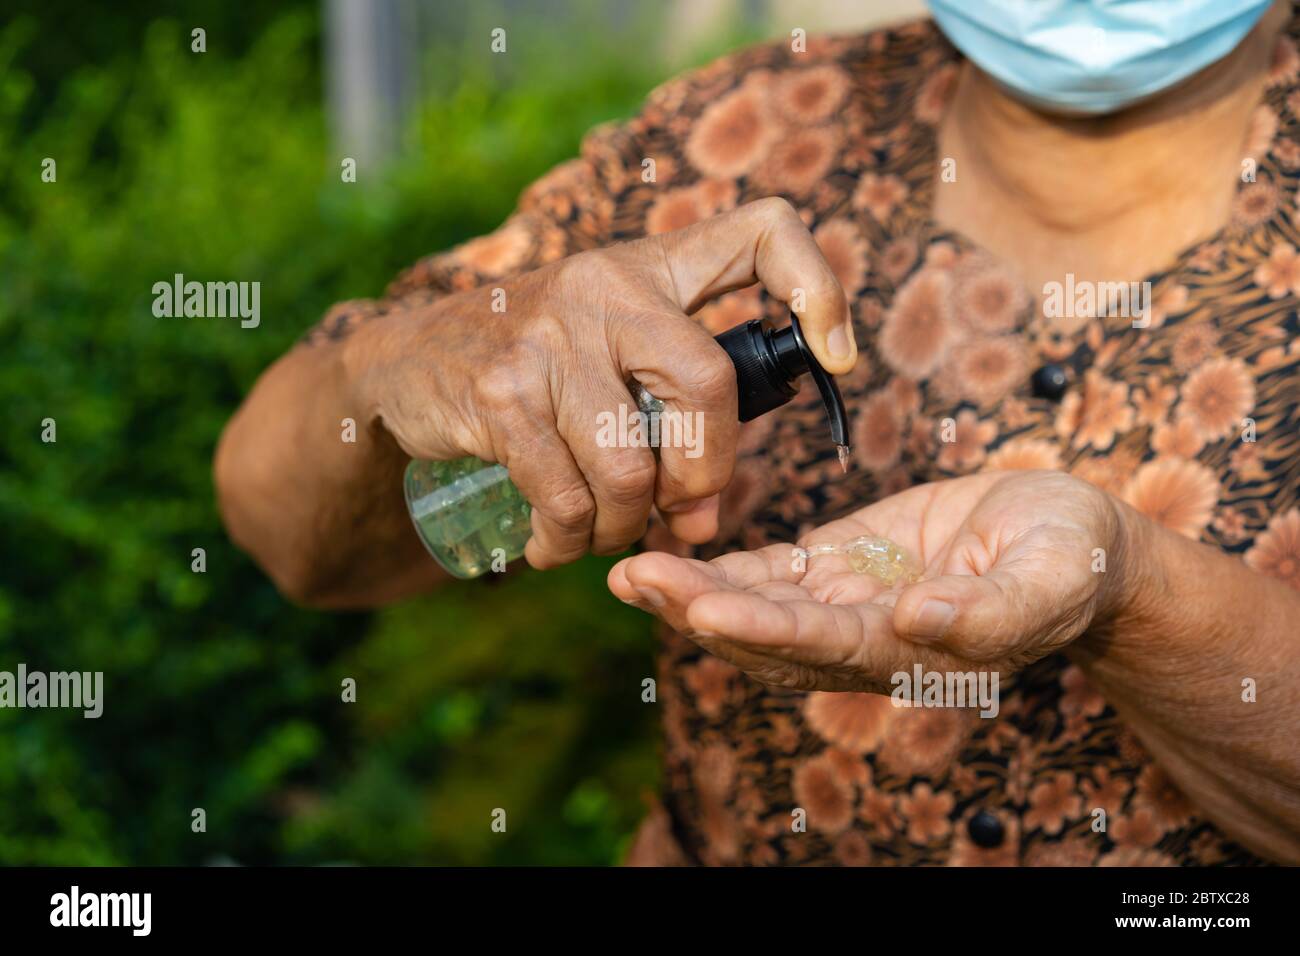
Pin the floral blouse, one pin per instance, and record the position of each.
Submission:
(846, 132)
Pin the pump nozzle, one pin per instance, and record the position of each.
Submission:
(767, 365)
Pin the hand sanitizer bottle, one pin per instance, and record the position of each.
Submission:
(471, 517)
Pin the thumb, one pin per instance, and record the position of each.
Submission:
(764, 241)
(983, 617)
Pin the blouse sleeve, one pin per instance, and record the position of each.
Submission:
(568, 210)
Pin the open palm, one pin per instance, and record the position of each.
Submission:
(1013, 569)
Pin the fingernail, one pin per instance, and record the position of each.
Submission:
(838, 342)
(933, 620)
(653, 595)
(688, 507)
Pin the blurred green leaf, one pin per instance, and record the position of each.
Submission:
(522, 694)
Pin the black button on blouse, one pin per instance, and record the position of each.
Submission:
(1050, 382)
(985, 830)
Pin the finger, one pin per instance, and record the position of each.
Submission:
(621, 476)
(696, 522)
(829, 646)
(623, 589)
(561, 529)
(544, 470)
(681, 365)
(764, 241)
(750, 569)
(901, 516)
(850, 638)
(670, 584)
(741, 569)
(618, 584)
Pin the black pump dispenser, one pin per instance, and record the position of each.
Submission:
(768, 363)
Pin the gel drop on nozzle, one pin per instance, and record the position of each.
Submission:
(472, 518)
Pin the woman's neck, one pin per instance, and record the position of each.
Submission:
(1109, 198)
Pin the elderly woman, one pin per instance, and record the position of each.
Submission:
(1098, 490)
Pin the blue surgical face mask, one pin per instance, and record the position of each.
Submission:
(1094, 56)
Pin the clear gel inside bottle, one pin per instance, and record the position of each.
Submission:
(468, 513)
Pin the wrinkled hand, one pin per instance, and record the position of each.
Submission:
(1008, 578)
(526, 388)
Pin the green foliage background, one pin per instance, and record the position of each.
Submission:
(522, 694)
